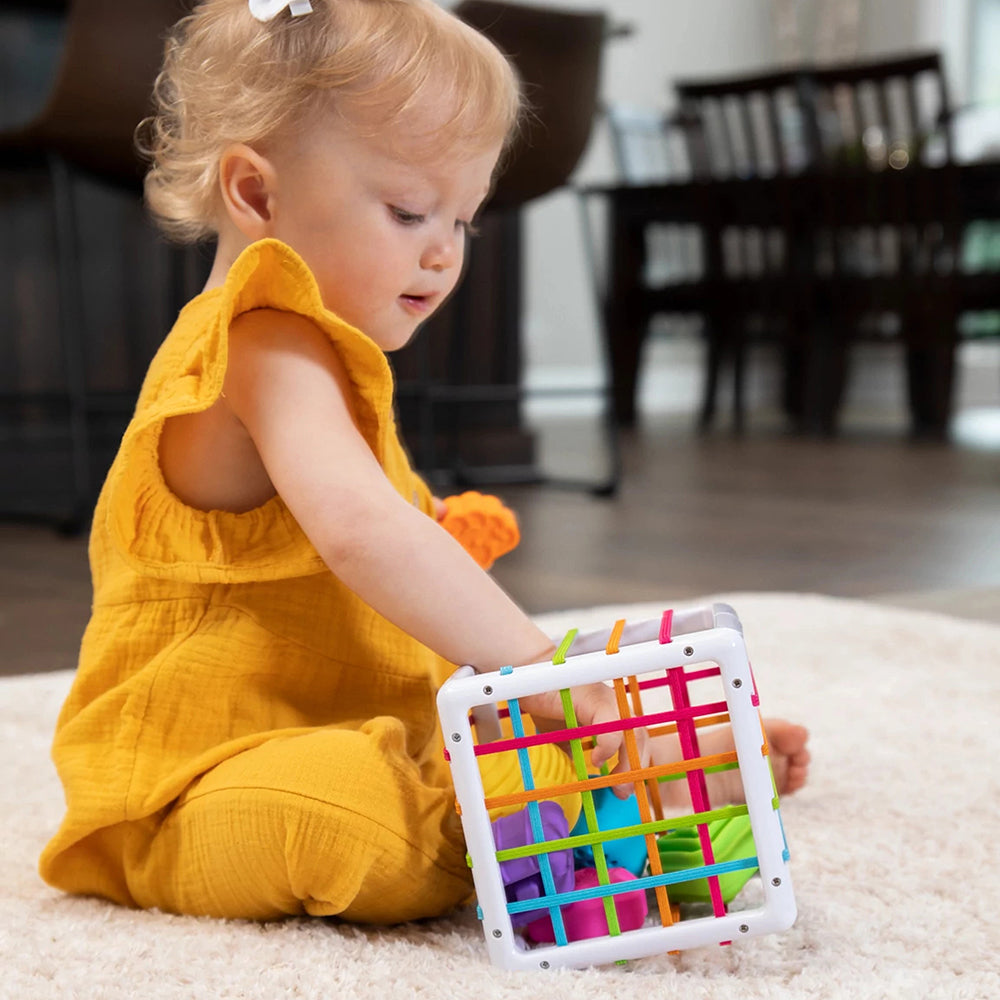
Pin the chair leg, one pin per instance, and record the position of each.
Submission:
(714, 354)
(739, 353)
(824, 374)
(71, 325)
(792, 368)
(931, 330)
(930, 382)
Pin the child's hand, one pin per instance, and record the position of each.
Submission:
(594, 704)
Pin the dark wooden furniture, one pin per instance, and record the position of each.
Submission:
(832, 210)
(739, 130)
(749, 281)
(111, 54)
(947, 292)
(888, 217)
(629, 302)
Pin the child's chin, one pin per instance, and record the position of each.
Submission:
(397, 341)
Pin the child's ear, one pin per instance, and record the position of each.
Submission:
(248, 185)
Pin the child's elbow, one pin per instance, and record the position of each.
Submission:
(365, 534)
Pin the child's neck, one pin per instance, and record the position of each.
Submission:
(231, 243)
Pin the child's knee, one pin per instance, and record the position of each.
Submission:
(331, 822)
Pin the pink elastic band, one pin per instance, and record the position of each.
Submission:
(666, 622)
(563, 735)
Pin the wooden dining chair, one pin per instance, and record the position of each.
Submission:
(754, 130)
(889, 218)
(651, 264)
(846, 227)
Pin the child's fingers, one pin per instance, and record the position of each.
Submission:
(602, 707)
(596, 705)
(605, 747)
(628, 761)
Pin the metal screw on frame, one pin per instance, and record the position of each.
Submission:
(488, 690)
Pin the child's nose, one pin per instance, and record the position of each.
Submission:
(443, 253)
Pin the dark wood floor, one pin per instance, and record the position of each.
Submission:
(874, 517)
(861, 516)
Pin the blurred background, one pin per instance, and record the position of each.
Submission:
(733, 322)
(719, 41)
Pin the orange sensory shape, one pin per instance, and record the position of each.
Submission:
(485, 528)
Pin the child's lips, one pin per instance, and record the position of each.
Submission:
(420, 304)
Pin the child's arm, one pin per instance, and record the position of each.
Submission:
(286, 384)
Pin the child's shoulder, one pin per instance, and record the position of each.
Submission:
(283, 354)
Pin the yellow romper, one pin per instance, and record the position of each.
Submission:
(244, 736)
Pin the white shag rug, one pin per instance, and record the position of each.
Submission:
(895, 850)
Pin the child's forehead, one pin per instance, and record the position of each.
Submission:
(431, 127)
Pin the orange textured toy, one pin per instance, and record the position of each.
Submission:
(485, 528)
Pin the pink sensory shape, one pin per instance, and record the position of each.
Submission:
(586, 918)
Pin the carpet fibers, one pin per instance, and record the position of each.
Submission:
(894, 849)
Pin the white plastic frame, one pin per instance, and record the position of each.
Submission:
(707, 633)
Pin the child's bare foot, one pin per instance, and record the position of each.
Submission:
(790, 755)
(789, 751)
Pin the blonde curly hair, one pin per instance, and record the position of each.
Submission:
(229, 78)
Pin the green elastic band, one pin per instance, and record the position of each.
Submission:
(560, 657)
(639, 830)
(580, 766)
(734, 766)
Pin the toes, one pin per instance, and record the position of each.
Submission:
(786, 736)
(790, 754)
(795, 782)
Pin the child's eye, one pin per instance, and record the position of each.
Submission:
(469, 228)
(404, 217)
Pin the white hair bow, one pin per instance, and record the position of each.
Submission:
(266, 10)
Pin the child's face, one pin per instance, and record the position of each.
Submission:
(384, 235)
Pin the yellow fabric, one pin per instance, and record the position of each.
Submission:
(244, 736)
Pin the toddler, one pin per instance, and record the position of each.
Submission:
(252, 730)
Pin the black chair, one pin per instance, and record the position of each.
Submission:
(890, 224)
(830, 212)
(976, 278)
(742, 136)
(732, 214)
(112, 52)
(657, 259)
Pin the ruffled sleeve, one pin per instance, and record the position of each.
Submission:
(148, 525)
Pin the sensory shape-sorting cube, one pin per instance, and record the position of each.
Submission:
(686, 680)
